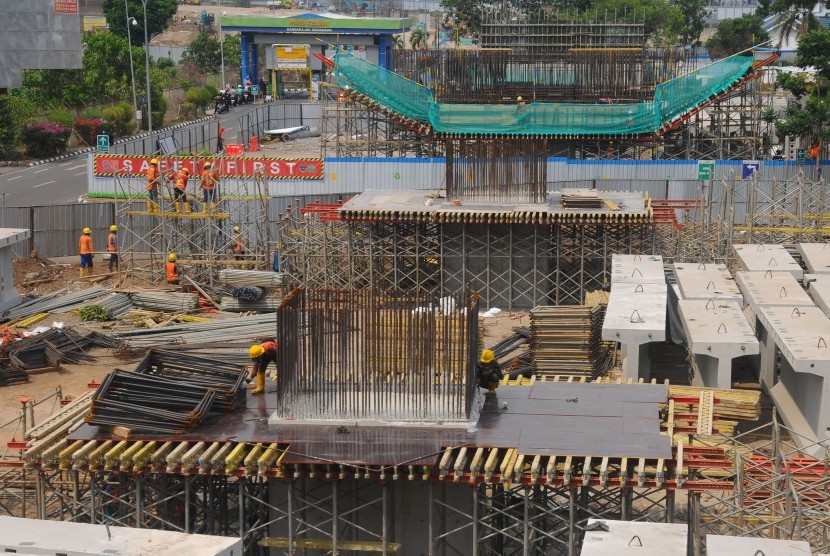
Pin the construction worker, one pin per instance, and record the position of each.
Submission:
(180, 190)
(238, 244)
(488, 372)
(210, 181)
(112, 247)
(85, 249)
(171, 270)
(153, 176)
(262, 354)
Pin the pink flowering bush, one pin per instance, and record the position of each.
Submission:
(46, 139)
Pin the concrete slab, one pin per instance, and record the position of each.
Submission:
(9, 237)
(637, 269)
(706, 281)
(816, 257)
(818, 287)
(636, 316)
(766, 256)
(634, 537)
(716, 333)
(802, 334)
(33, 536)
(722, 545)
(768, 289)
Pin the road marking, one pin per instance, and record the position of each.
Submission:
(47, 183)
(78, 166)
(14, 178)
(81, 174)
(66, 163)
(39, 171)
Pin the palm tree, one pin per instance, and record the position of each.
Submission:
(418, 38)
(795, 16)
(399, 42)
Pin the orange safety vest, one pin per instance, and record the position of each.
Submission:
(238, 244)
(152, 177)
(111, 243)
(181, 181)
(209, 179)
(172, 271)
(270, 348)
(85, 244)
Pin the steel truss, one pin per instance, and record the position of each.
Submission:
(203, 238)
(511, 265)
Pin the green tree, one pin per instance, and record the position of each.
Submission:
(811, 119)
(232, 46)
(159, 15)
(694, 13)
(418, 38)
(204, 52)
(663, 22)
(796, 16)
(736, 35)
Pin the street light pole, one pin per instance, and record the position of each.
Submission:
(147, 70)
(221, 46)
(130, 20)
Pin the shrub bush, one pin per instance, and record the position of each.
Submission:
(63, 117)
(89, 129)
(120, 119)
(46, 139)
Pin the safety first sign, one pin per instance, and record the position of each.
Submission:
(269, 168)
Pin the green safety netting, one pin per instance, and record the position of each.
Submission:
(672, 99)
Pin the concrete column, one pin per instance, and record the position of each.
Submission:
(383, 40)
(254, 63)
(246, 68)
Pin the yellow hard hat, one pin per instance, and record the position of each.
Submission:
(208, 164)
(171, 257)
(255, 351)
(519, 99)
(87, 231)
(113, 228)
(487, 355)
(186, 171)
(236, 228)
(154, 161)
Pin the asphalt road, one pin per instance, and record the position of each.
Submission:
(65, 181)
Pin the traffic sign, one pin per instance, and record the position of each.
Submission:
(749, 168)
(801, 156)
(103, 143)
(705, 169)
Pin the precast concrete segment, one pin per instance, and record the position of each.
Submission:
(637, 269)
(717, 332)
(608, 537)
(816, 257)
(766, 256)
(706, 281)
(769, 289)
(799, 383)
(722, 545)
(636, 315)
(9, 237)
(818, 287)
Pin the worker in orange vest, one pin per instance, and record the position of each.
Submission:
(238, 244)
(262, 355)
(210, 181)
(180, 190)
(153, 176)
(85, 248)
(112, 247)
(171, 270)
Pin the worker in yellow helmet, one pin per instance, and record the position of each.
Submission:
(262, 355)
(238, 244)
(488, 372)
(112, 247)
(153, 177)
(171, 270)
(85, 249)
(180, 190)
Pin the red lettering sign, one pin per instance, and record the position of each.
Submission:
(272, 168)
(66, 6)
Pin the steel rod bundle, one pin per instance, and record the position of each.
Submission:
(11, 375)
(241, 329)
(266, 305)
(53, 302)
(150, 404)
(566, 340)
(515, 366)
(227, 379)
(169, 302)
(115, 304)
(56, 346)
(260, 278)
(247, 293)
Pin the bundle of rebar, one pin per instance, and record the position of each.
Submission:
(149, 403)
(259, 278)
(11, 375)
(266, 305)
(55, 346)
(515, 365)
(240, 329)
(567, 341)
(228, 380)
(53, 302)
(115, 304)
(246, 293)
(169, 302)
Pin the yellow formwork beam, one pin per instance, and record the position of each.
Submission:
(235, 457)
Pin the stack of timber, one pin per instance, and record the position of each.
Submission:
(567, 341)
(697, 411)
(581, 199)
(47, 440)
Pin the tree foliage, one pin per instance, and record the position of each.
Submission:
(734, 35)
(204, 52)
(159, 15)
(694, 13)
(418, 38)
(796, 16)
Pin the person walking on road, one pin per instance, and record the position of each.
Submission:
(262, 354)
(112, 247)
(85, 249)
(180, 190)
(153, 177)
(209, 182)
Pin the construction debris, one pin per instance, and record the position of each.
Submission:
(259, 278)
(566, 340)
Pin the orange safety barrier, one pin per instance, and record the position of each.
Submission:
(253, 145)
(234, 150)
